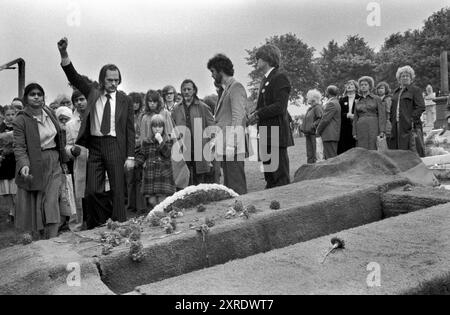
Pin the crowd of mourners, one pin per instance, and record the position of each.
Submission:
(117, 150)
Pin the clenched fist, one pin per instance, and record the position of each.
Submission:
(62, 47)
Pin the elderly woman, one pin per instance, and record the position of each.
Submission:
(39, 152)
(64, 115)
(384, 92)
(310, 122)
(407, 107)
(369, 121)
(347, 102)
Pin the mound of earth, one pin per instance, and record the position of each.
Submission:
(359, 161)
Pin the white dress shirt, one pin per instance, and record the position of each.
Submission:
(97, 115)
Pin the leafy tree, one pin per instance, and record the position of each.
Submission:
(296, 61)
(421, 49)
(352, 60)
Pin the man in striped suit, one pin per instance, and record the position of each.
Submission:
(107, 130)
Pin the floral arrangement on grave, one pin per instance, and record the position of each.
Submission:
(192, 196)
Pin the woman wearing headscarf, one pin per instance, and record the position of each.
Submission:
(369, 121)
(40, 156)
(407, 107)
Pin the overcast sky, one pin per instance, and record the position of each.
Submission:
(162, 42)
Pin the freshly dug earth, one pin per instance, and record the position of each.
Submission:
(359, 161)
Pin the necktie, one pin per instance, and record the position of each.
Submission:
(106, 119)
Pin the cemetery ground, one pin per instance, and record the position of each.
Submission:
(254, 176)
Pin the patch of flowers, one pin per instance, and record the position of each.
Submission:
(193, 196)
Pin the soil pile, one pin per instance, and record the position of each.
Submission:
(359, 161)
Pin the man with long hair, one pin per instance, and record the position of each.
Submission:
(272, 117)
(107, 130)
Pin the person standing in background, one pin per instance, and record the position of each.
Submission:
(271, 114)
(8, 188)
(136, 202)
(168, 94)
(230, 117)
(370, 116)
(78, 155)
(347, 102)
(407, 107)
(310, 123)
(329, 128)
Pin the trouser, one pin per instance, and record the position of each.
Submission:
(136, 201)
(310, 149)
(276, 175)
(104, 156)
(234, 175)
(199, 178)
(329, 149)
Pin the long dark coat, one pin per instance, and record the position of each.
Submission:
(346, 140)
(412, 105)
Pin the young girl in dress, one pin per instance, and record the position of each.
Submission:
(8, 188)
(155, 155)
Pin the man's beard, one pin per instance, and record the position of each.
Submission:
(218, 79)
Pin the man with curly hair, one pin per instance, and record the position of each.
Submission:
(230, 117)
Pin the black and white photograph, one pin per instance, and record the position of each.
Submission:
(224, 155)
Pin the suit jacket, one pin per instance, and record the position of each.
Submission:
(330, 126)
(230, 111)
(124, 119)
(271, 109)
(27, 148)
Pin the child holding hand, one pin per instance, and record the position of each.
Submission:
(155, 156)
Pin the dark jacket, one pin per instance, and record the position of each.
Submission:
(271, 109)
(124, 119)
(412, 105)
(8, 162)
(27, 149)
(330, 126)
(312, 119)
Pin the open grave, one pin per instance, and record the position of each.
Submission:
(353, 190)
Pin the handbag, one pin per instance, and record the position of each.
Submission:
(381, 143)
(67, 205)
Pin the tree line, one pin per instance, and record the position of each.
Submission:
(420, 48)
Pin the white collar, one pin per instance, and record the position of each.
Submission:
(268, 72)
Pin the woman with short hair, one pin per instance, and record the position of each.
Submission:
(407, 107)
(369, 121)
